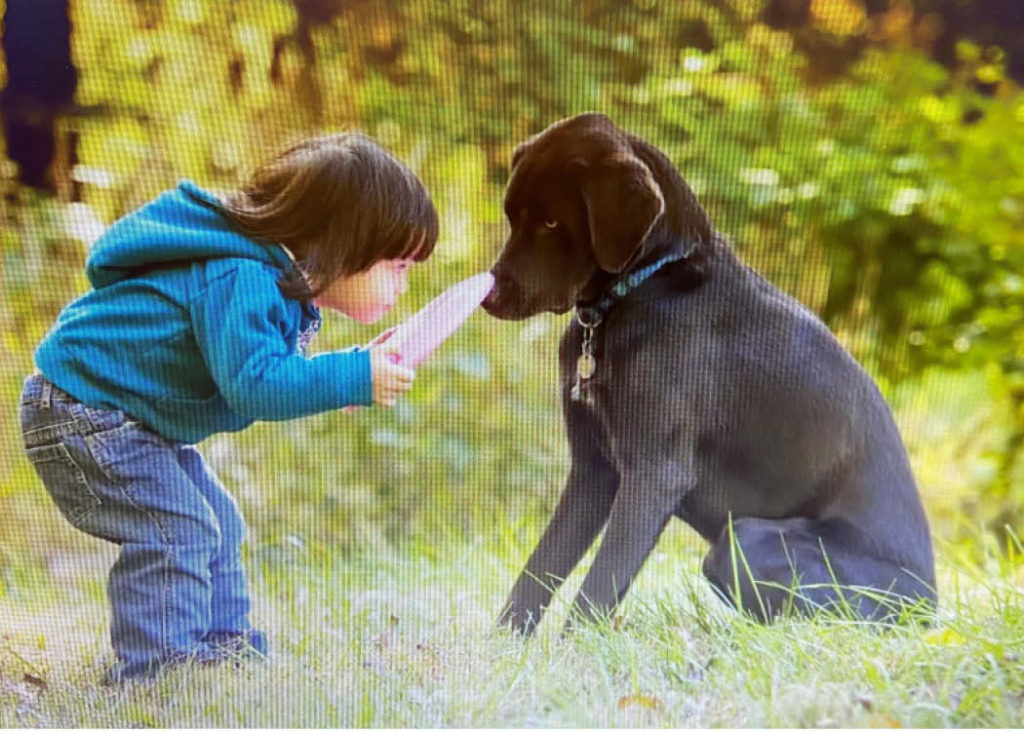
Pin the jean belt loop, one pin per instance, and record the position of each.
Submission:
(45, 397)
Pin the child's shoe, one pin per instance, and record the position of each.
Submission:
(217, 647)
(251, 643)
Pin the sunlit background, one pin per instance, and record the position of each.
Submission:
(867, 156)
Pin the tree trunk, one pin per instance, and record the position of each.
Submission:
(41, 82)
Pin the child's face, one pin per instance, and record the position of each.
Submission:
(368, 295)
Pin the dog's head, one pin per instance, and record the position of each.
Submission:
(581, 201)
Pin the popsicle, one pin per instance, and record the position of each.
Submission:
(423, 333)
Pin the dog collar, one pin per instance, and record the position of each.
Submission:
(590, 316)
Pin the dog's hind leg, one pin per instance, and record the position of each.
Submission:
(773, 567)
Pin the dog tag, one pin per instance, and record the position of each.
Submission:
(585, 366)
(579, 392)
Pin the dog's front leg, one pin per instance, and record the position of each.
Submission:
(645, 501)
(582, 510)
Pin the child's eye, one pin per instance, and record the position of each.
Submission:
(551, 224)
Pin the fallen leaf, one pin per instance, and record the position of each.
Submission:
(36, 681)
(884, 722)
(945, 637)
(642, 701)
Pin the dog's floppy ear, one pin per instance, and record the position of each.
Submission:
(623, 202)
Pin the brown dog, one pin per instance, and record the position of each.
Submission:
(693, 387)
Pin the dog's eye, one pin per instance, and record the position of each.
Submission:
(551, 224)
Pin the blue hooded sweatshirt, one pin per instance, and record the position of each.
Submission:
(185, 328)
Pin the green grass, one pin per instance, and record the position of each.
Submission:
(461, 476)
(392, 640)
(367, 634)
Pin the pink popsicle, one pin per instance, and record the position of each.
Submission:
(423, 333)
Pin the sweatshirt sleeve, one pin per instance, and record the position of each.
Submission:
(241, 321)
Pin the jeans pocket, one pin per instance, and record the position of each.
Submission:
(119, 453)
(64, 480)
(104, 419)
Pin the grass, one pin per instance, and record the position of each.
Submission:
(364, 634)
(399, 641)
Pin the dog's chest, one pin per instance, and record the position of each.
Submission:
(634, 351)
(607, 374)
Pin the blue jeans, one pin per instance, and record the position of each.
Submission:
(178, 587)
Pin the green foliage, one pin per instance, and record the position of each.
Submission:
(886, 195)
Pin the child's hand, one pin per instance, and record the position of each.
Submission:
(390, 379)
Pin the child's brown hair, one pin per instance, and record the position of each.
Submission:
(340, 203)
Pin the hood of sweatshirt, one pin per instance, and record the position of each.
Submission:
(184, 224)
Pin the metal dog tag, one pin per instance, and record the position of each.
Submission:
(585, 366)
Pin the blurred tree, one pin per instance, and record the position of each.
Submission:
(41, 81)
(834, 33)
(864, 154)
(986, 23)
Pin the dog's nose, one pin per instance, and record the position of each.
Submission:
(502, 293)
(491, 300)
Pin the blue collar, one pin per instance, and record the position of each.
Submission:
(590, 316)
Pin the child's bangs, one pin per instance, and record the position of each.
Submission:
(415, 233)
(418, 245)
